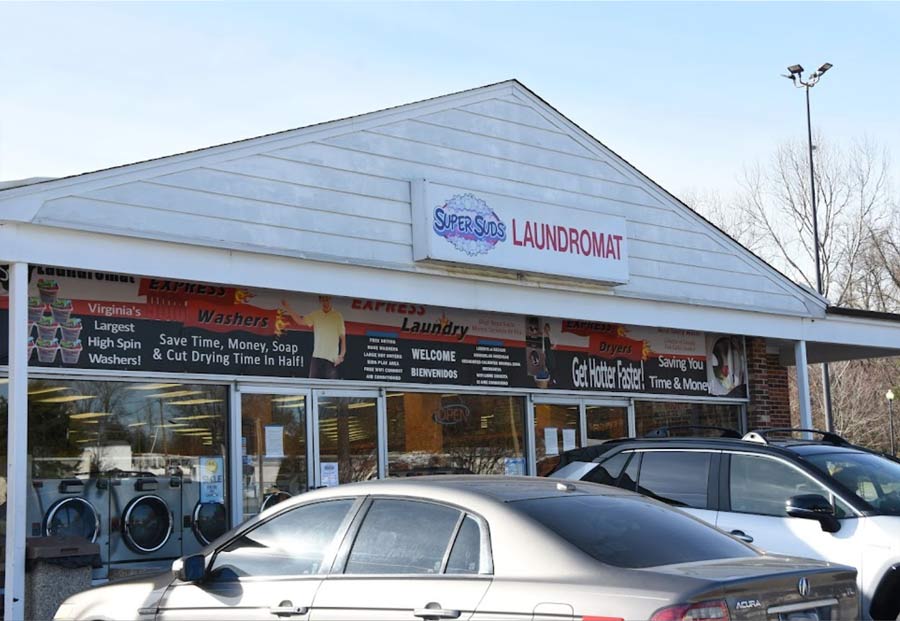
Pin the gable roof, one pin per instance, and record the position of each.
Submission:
(347, 182)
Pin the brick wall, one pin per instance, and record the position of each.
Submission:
(770, 404)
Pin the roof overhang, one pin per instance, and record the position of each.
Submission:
(846, 334)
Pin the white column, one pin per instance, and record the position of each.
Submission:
(17, 447)
(382, 431)
(235, 461)
(803, 399)
(530, 440)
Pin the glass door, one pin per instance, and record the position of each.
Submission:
(274, 447)
(557, 428)
(605, 421)
(349, 445)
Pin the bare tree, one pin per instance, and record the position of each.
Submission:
(860, 255)
(853, 203)
(722, 213)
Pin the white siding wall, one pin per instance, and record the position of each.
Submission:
(343, 195)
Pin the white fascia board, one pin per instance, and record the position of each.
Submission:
(862, 331)
(21, 204)
(147, 257)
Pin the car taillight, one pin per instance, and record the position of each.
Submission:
(716, 610)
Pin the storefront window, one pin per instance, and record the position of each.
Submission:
(605, 422)
(139, 468)
(651, 415)
(557, 429)
(273, 446)
(348, 438)
(431, 433)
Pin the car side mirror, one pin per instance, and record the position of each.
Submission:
(813, 507)
(193, 568)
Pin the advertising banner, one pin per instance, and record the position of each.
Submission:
(97, 320)
(477, 228)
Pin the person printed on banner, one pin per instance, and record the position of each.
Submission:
(725, 366)
(329, 337)
(549, 353)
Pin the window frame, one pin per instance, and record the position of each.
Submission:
(725, 485)
(713, 492)
(328, 558)
(485, 561)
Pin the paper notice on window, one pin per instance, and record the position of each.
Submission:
(568, 439)
(514, 466)
(551, 441)
(274, 441)
(212, 479)
(328, 471)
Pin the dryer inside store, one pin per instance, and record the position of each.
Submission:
(72, 507)
(144, 508)
(203, 518)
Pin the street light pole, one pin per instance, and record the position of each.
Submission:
(796, 76)
(890, 400)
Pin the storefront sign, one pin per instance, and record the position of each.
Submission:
(451, 414)
(461, 226)
(92, 320)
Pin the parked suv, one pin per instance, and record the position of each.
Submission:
(779, 489)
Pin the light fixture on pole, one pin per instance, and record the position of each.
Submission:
(796, 76)
(890, 399)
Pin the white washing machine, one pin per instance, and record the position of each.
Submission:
(201, 522)
(142, 528)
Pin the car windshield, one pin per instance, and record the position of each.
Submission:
(631, 532)
(872, 478)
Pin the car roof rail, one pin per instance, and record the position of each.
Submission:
(666, 432)
(762, 436)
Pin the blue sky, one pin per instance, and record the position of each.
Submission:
(687, 92)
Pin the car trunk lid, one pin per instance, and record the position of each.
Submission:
(775, 588)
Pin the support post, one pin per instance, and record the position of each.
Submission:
(803, 399)
(826, 398)
(17, 443)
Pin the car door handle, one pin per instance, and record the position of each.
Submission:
(287, 609)
(739, 534)
(433, 611)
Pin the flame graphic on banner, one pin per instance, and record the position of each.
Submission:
(607, 340)
(242, 296)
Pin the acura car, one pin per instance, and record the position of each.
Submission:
(480, 548)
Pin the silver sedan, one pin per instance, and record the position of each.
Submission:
(480, 548)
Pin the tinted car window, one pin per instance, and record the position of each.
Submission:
(871, 477)
(608, 472)
(632, 531)
(678, 477)
(402, 537)
(465, 558)
(291, 543)
(763, 486)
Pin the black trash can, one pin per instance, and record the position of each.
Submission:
(56, 568)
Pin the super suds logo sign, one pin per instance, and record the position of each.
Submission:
(469, 224)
